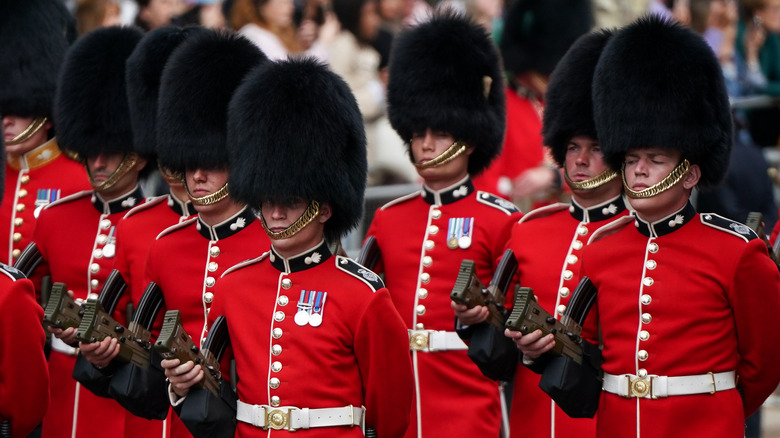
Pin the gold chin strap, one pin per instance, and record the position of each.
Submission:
(35, 126)
(213, 198)
(128, 161)
(170, 177)
(311, 213)
(675, 176)
(590, 184)
(444, 158)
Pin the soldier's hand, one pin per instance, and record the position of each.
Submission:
(533, 344)
(182, 376)
(475, 315)
(67, 336)
(100, 353)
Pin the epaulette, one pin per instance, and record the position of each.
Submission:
(402, 199)
(11, 272)
(176, 227)
(496, 202)
(729, 226)
(545, 211)
(240, 265)
(360, 272)
(150, 202)
(611, 228)
(70, 198)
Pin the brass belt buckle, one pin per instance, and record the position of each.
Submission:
(418, 340)
(277, 419)
(639, 387)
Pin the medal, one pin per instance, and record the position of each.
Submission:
(304, 308)
(302, 318)
(45, 197)
(452, 229)
(316, 317)
(110, 249)
(464, 241)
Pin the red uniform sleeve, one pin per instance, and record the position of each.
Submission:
(382, 351)
(755, 300)
(24, 374)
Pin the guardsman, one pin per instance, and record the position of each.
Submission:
(536, 35)
(24, 373)
(446, 98)
(76, 235)
(685, 299)
(141, 225)
(188, 259)
(317, 341)
(548, 242)
(34, 36)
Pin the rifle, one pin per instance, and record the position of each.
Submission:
(27, 262)
(61, 310)
(175, 343)
(755, 221)
(470, 291)
(98, 324)
(528, 316)
(369, 253)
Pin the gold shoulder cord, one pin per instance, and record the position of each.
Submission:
(665, 184)
(592, 183)
(128, 161)
(213, 198)
(35, 125)
(312, 211)
(444, 158)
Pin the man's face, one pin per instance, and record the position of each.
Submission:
(280, 216)
(103, 165)
(429, 145)
(645, 168)
(204, 182)
(583, 159)
(14, 125)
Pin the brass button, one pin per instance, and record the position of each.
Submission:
(214, 251)
(642, 373)
(646, 299)
(564, 292)
(577, 244)
(210, 281)
(582, 230)
(276, 366)
(427, 261)
(286, 283)
(16, 253)
(651, 264)
(25, 179)
(283, 300)
(208, 297)
(279, 316)
(429, 245)
(642, 355)
(20, 207)
(276, 333)
(94, 284)
(94, 268)
(212, 266)
(18, 222)
(98, 253)
(420, 309)
(425, 277)
(436, 214)
(274, 383)
(652, 247)
(433, 229)
(568, 275)
(275, 401)
(105, 224)
(276, 349)
(101, 239)
(22, 193)
(644, 335)
(647, 318)
(422, 293)
(571, 259)
(17, 237)
(648, 281)
(561, 309)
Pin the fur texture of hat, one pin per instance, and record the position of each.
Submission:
(537, 33)
(90, 107)
(445, 75)
(197, 84)
(568, 105)
(34, 36)
(143, 72)
(295, 132)
(658, 84)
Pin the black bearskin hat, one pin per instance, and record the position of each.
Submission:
(197, 84)
(537, 33)
(34, 36)
(568, 109)
(445, 74)
(658, 84)
(295, 131)
(144, 69)
(90, 107)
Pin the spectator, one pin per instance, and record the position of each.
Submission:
(154, 13)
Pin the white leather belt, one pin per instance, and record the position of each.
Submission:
(435, 340)
(292, 418)
(629, 385)
(61, 347)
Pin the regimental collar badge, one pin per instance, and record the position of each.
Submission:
(597, 213)
(668, 224)
(449, 195)
(228, 227)
(117, 205)
(301, 262)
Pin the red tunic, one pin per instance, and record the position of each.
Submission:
(548, 243)
(186, 261)
(687, 295)
(135, 234)
(357, 356)
(420, 271)
(33, 180)
(76, 238)
(523, 148)
(24, 375)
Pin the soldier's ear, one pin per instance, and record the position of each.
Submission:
(325, 212)
(692, 177)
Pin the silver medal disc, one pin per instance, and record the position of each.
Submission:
(302, 318)
(109, 250)
(315, 320)
(464, 242)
